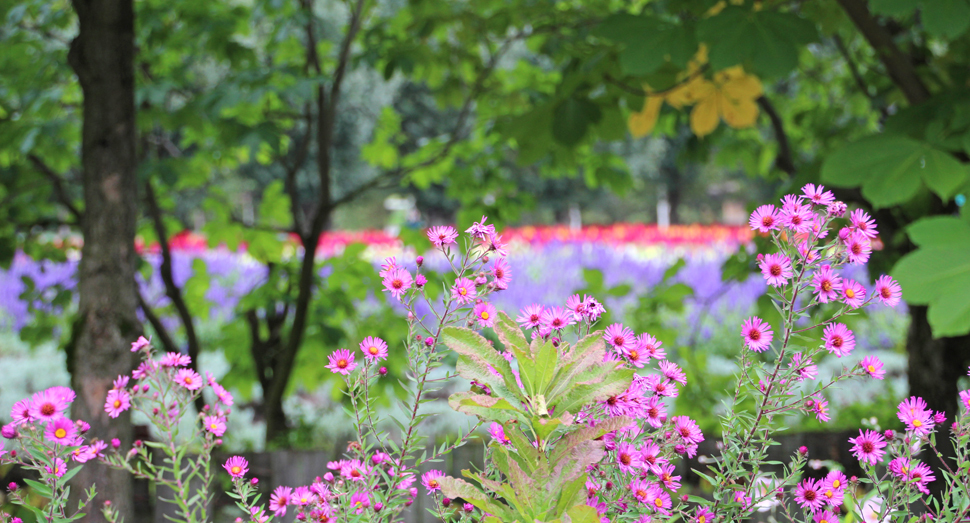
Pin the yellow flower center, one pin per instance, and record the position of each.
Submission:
(433, 483)
(658, 502)
(849, 293)
(836, 483)
(702, 519)
(342, 364)
(117, 404)
(829, 494)
(60, 433)
(917, 423)
(634, 355)
(484, 315)
(188, 380)
(462, 291)
(870, 368)
(214, 426)
(373, 350)
(236, 470)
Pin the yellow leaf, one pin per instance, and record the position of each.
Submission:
(743, 87)
(704, 116)
(696, 89)
(738, 113)
(642, 123)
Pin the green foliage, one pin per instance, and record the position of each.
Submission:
(766, 41)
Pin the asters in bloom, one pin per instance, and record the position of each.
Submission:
(139, 344)
(820, 407)
(764, 219)
(61, 431)
(853, 293)
(360, 502)
(757, 334)
(863, 223)
(888, 291)
(20, 413)
(397, 282)
(236, 466)
(651, 346)
(485, 314)
(594, 309)
(826, 284)
(915, 414)
(59, 468)
(463, 291)
(666, 477)
(341, 362)
(635, 356)
(817, 194)
(838, 339)
(868, 447)
(480, 230)
(189, 379)
(655, 411)
(501, 274)
(826, 517)
(658, 499)
(442, 235)
(279, 500)
(805, 370)
(688, 429)
(673, 372)
(47, 406)
(215, 424)
(223, 395)
(704, 516)
(430, 480)
(796, 216)
(807, 495)
(965, 399)
(117, 402)
(303, 496)
(531, 316)
(873, 367)
(921, 475)
(374, 349)
(576, 305)
(858, 248)
(628, 458)
(639, 489)
(619, 337)
(776, 269)
(498, 432)
(557, 318)
(174, 359)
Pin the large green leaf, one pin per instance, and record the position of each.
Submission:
(945, 18)
(572, 117)
(769, 41)
(648, 42)
(891, 169)
(937, 274)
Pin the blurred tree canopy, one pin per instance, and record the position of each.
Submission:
(319, 103)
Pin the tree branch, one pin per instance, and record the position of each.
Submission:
(58, 183)
(784, 161)
(857, 76)
(898, 64)
(302, 151)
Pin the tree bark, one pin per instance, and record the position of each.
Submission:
(102, 56)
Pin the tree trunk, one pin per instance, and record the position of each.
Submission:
(934, 367)
(102, 56)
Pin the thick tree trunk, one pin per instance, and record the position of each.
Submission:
(934, 367)
(102, 56)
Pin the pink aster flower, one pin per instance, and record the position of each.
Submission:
(807, 495)
(61, 431)
(776, 269)
(303, 496)
(655, 412)
(189, 379)
(853, 293)
(618, 336)
(463, 291)
(236, 466)
(501, 274)
(861, 222)
(817, 194)
(858, 248)
(498, 433)
(215, 424)
(47, 406)
(836, 479)
(757, 334)
(915, 414)
(797, 217)
(660, 386)
(120, 382)
(480, 230)
(20, 413)
(280, 498)
(341, 362)
(921, 475)
(59, 468)
(628, 458)
(764, 219)
(576, 305)
(139, 344)
(704, 515)
(826, 516)
(873, 367)
(83, 453)
(174, 359)
(442, 235)
(658, 499)
(557, 318)
(838, 339)
(667, 477)
(117, 402)
(374, 349)
(430, 480)
(397, 282)
(965, 399)
(805, 370)
(688, 429)
(594, 309)
(639, 488)
(223, 395)
(531, 316)
(673, 372)
(888, 291)
(820, 407)
(826, 284)
(868, 447)
(495, 246)
(360, 502)
(635, 355)
(651, 346)
(485, 314)
(899, 468)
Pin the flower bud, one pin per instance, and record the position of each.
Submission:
(680, 449)
(9, 431)
(301, 516)
(429, 341)
(420, 281)
(239, 520)
(382, 371)
(107, 503)
(684, 498)
(485, 259)
(889, 434)
(803, 450)
(219, 441)
(328, 477)
(836, 209)
(609, 485)
(138, 443)
(82, 426)
(420, 260)
(445, 502)
(254, 481)
(468, 507)
(378, 506)
(115, 443)
(12, 486)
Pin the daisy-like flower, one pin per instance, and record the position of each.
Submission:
(257, 515)
(557, 318)
(899, 468)
(531, 316)
(836, 479)
(965, 399)
(117, 402)
(83, 453)
(485, 314)
(223, 395)
(215, 424)
(853, 293)
(501, 274)
(494, 245)
(303, 496)
(59, 468)
(858, 248)
(498, 433)
(655, 411)
(888, 291)
(757, 334)
(817, 194)
(279, 500)
(915, 414)
(635, 355)
(863, 223)
(797, 217)
(826, 284)
(667, 477)
(838, 339)
(807, 495)
(442, 235)
(139, 344)
(20, 413)
(820, 407)
(650, 455)
(873, 367)
(688, 429)
(480, 230)
(61, 431)
(658, 499)
(703, 516)
(374, 349)
(868, 447)
(174, 359)
(594, 309)
(776, 269)
(660, 386)
(628, 458)
(826, 516)
(639, 489)
(805, 371)
(651, 346)
(189, 379)
(576, 305)
(764, 219)
(619, 337)
(397, 282)
(360, 502)
(144, 369)
(463, 291)
(921, 475)
(236, 466)
(341, 362)
(47, 406)
(430, 480)
(673, 372)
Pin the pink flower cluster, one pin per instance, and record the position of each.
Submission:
(551, 321)
(342, 361)
(823, 498)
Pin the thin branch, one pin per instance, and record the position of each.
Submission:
(58, 183)
(898, 64)
(344, 57)
(784, 161)
(302, 151)
(857, 76)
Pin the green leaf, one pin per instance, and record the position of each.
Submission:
(945, 18)
(768, 40)
(581, 514)
(571, 118)
(897, 8)
(39, 487)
